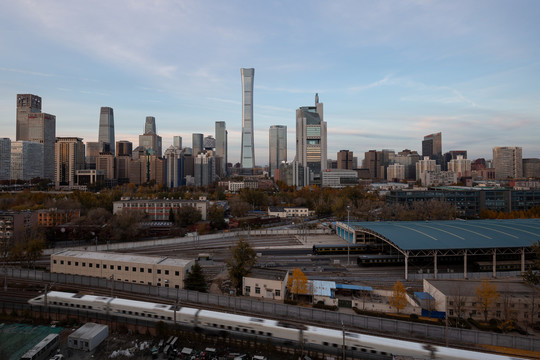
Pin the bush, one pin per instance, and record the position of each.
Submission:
(414, 317)
(321, 305)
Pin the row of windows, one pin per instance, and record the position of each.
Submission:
(118, 267)
(258, 290)
(498, 305)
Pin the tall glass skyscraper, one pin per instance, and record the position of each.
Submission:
(277, 151)
(106, 129)
(247, 153)
(221, 148)
(197, 141)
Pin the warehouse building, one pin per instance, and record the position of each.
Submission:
(88, 336)
(151, 270)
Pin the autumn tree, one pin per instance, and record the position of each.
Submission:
(486, 295)
(195, 279)
(216, 215)
(298, 283)
(398, 299)
(242, 260)
(187, 215)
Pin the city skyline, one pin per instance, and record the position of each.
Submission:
(389, 73)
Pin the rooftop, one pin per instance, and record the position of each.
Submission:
(111, 256)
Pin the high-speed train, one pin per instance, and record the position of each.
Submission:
(221, 322)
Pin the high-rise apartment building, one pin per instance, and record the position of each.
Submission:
(68, 159)
(124, 148)
(461, 166)
(311, 146)
(277, 149)
(221, 148)
(177, 142)
(345, 159)
(247, 152)
(175, 169)
(372, 162)
(426, 165)
(5, 158)
(106, 129)
(531, 167)
(197, 142)
(508, 162)
(150, 140)
(26, 160)
(203, 168)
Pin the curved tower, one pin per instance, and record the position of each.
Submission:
(247, 153)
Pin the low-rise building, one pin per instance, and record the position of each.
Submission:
(284, 212)
(151, 270)
(54, 217)
(158, 209)
(88, 336)
(265, 283)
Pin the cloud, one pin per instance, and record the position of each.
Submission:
(26, 72)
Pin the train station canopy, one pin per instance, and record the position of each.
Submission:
(454, 234)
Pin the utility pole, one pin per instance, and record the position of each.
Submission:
(112, 285)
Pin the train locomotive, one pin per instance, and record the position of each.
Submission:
(224, 323)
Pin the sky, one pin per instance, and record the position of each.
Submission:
(388, 72)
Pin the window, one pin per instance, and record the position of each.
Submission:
(76, 263)
(149, 271)
(54, 261)
(159, 271)
(141, 270)
(84, 264)
(97, 266)
(69, 263)
(166, 272)
(257, 290)
(278, 293)
(247, 289)
(134, 269)
(177, 273)
(61, 262)
(104, 266)
(90, 264)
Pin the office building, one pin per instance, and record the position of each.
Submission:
(35, 126)
(508, 162)
(345, 160)
(92, 150)
(531, 168)
(247, 152)
(461, 166)
(277, 149)
(339, 178)
(124, 148)
(26, 160)
(177, 142)
(432, 145)
(106, 162)
(395, 172)
(426, 165)
(197, 143)
(311, 145)
(69, 158)
(5, 158)
(147, 168)
(106, 129)
(175, 169)
(121, 171)
(204, 169)
(372, 163)
(26, 104)
(150, 125)
(150, 140)
(209, 143)
(221, 149)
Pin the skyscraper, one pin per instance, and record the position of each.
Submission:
(150, 140)
(508, 163)
(197, 141)
(345, 159)
(221, 148)
(277, 149)
(5, 158)
(432, 146)
(26, 104)
(26, 160)
(311, 146)
(247, 152)
(106, 129)
(124, 148)
(35, 126)
(177, 142)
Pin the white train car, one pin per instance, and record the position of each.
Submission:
(220, 322)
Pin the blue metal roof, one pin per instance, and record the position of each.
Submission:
(457, 234)
(353, 287)
(423, 295)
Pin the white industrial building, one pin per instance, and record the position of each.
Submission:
(88, 336)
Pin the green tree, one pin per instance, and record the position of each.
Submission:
(242, 260)
(486, 295)
(398, 299)
(187, 215)
(216, 215)
(195, 279)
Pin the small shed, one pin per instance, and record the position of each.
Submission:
(88, 336)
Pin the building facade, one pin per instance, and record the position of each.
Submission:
(265, 283)
(247, 151)
(221, 149)
(5, 159)
(508, 162)
(106, 129)
(151, 270)
(158, 209)
(177, 141)
(69, 158)
(311, 145)
(345, 160)
(124, 148)
(175, 173)
(277, 152)
(197, 143)
(26, 160)
(150, 140)
(531, 168)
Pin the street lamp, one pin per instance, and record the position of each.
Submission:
(348, 236)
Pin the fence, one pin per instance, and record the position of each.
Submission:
(378, 325)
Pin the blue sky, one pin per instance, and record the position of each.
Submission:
(388, 72)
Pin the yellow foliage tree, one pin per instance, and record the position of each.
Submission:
(486, 295)
(398, 299)
(298, 283)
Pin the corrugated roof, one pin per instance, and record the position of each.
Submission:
(457, 234)
(423, 295)
(122, 257)
(353, 287)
